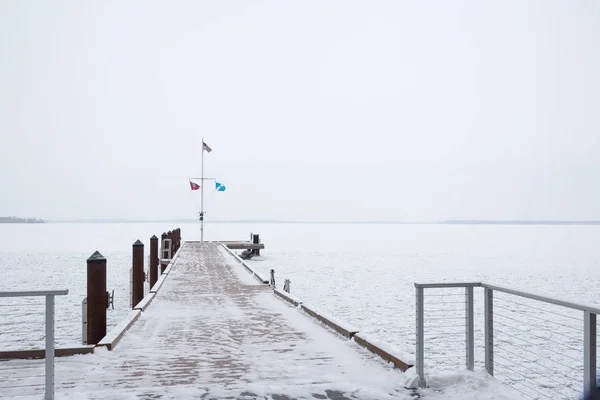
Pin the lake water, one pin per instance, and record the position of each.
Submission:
(360, 273)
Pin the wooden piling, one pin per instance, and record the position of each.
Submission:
(137, 281)
(256, 240)
(153, 260)
(97, 298)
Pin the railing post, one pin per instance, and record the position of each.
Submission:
(589, 352)
(137, 285)
(49, 347)
(420, 354)
(488, 309)
(153, 260)
(286, 286)
(96, 298)
(470, 342)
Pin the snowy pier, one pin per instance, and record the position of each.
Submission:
(213, 331)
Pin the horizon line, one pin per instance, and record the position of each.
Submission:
(390, 222)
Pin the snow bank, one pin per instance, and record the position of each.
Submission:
(465, 385)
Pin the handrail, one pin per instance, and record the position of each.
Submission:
(545, 299)
(588, 320)
(35, 293)
(49, 354)
(528, 295)
(447, 285)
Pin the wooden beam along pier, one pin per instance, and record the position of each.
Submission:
(211, 326)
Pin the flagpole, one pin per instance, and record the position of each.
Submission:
(202, 196)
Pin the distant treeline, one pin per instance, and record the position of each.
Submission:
(16, 220)
(478, 222)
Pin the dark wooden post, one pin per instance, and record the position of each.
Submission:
(153, 260)
(178, 239)
(256, 240)
(137, 284)
(163, 252)
(174, 238)
(96, 298)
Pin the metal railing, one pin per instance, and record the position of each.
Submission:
(525, 340)
(49, 337)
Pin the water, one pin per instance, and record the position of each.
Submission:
(360, 273)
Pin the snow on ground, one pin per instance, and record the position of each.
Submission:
(209, 334)
(363, 274)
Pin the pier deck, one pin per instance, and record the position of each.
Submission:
(213, 332)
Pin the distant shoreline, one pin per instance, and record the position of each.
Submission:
(448, 222)
(18, 220)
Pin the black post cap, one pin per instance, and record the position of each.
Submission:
(138, 243)
(153, 237)
(96, 257)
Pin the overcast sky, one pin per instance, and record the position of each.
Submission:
(339, 110)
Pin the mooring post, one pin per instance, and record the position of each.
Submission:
(177, 233)
(174, 239)
(163, 252)
(153, 260)
(96, 298)
(170, 236)
(256, 240)
(272, 283)
(137, 282)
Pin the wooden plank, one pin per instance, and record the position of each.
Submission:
(41, 353)
(142, 305)
(383, 353)
(112, 338)
(254, 273)
(158, 284)
(339, 326)
(287, 297)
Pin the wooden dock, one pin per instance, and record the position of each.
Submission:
(214, 332)
(243, 245)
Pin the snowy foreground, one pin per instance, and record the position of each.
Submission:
(213, 332)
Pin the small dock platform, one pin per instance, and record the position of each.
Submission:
(214, 332)
(243, 245)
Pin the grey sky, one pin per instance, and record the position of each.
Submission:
(314, 109)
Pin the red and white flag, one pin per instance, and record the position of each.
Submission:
(206, 147)
(194, 186)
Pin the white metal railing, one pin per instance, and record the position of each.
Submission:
(526, 340)
(49, 338)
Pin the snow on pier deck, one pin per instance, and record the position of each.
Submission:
(213, 332)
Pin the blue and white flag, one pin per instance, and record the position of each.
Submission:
(219, 187)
